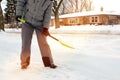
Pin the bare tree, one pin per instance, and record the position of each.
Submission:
(88, 5)
(85, 5)
(72, 5)
(76, 9)
(55, 9)
(65, 7)
(80, 5)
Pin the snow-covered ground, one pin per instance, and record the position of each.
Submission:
(96, 57)
(91, 29)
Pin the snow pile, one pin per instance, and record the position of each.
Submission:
(13, 30)
(88, 29)
(93, 29)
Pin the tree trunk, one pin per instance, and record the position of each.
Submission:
(1, 19)
(57, 23)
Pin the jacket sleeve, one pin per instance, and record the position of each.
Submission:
(47, 16)
(20, 7)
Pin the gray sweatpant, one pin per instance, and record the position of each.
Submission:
(27, 33)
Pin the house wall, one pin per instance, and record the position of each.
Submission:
(93, 19)
(103, 19)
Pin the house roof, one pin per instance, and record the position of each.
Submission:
(88, 13)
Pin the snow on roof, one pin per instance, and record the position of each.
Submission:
(88, 13)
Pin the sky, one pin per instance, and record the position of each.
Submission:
(108, 5)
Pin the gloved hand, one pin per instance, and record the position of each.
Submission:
(46, 32)
(18, 16)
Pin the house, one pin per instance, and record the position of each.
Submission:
(89, 17)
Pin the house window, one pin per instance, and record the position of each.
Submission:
(94, 19)
(73, 21)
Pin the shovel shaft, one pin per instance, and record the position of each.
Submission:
(68, 46)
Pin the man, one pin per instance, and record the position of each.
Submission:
(37, 13)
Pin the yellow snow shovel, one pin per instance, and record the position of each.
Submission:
(62, 43)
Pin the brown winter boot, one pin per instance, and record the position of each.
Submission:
(25, 65)
(47, 63)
